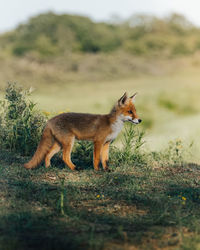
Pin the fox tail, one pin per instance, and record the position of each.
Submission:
(44, 146)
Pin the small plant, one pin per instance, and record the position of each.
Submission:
(174, 154)
(132, 138)
(83, 153)
(62, 194)
(176, 150)
(20, 124)
(132, 141)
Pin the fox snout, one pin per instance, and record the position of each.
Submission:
(136, 121)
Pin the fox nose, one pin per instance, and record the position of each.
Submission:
(139, 120)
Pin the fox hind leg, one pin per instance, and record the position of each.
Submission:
(67, 148)
(54, 149)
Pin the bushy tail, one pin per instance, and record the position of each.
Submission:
(44, 146)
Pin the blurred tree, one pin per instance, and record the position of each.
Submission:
(50, 35)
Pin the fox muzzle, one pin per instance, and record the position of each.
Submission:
(136, 121)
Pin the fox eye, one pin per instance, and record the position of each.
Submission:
(130, 112)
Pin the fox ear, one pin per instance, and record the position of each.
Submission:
(123, 99)
(133, 97)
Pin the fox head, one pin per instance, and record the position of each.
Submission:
(125, 109)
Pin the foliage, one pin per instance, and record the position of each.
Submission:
(131, 151)
(21, 124)
(181, 49)
(83, 154)
(50, 35)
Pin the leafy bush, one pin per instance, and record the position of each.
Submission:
(21, 49)
(20, 124)
(135, 47)
(181, 48)
(52, 35)
(148, 45)
(155, 43)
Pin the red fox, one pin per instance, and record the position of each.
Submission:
(63, 129)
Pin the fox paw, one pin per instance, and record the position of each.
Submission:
(107, 170)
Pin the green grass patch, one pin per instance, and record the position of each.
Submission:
(135, 205)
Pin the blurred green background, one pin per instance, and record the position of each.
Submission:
(76, 64)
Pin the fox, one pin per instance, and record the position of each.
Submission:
(61, 131)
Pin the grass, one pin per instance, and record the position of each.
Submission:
(132, 207)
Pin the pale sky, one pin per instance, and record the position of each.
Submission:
(13, 12)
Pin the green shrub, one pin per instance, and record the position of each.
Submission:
(181, 49)
(20, 49)
(155, 43)
(45, 47)
(51, 35)
(136, 48)
(130, 153)
(146, 46)
(83, 154)
(20, 124)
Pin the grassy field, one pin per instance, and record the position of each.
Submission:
(151, 205)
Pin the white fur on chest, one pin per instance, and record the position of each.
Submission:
(116, 128)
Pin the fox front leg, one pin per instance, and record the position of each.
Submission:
(97, 154)
(105, 155)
